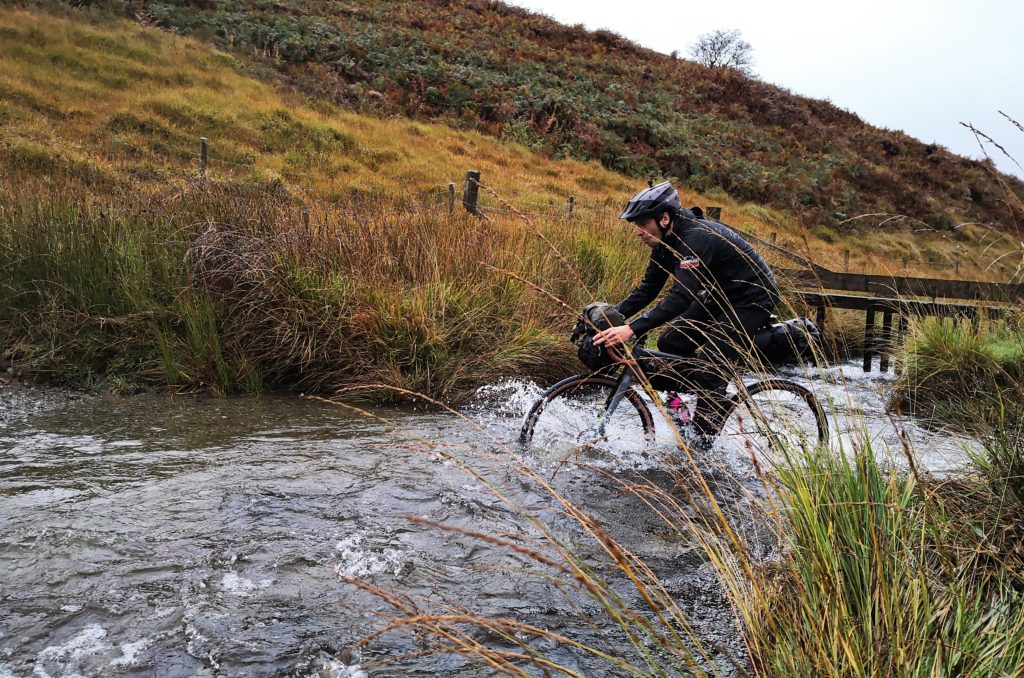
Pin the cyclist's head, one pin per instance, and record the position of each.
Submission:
(652, 211)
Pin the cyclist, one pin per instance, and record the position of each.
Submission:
(722, 291)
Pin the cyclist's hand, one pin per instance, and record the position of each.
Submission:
(613, 336)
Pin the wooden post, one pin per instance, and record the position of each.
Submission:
(305, 217)
(846, 261)
(956, 268)
(901, 326)
(572, 203)
(471, 192)
(713, 213)
(203, 155)
(451, 197)
(883, 364)
(869, 336)
(773, 237)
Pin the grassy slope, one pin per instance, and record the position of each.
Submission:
(594, 95)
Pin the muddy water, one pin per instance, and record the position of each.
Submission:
(201, 537)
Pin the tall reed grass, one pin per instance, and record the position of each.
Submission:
(226, 286)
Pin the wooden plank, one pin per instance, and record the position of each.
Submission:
(903, 306)
(882, 285)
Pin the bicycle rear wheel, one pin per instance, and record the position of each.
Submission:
(774, 419)
(568, 420)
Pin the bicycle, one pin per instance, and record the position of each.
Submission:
(767, 415)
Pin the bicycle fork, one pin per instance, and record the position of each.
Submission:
(612, 403)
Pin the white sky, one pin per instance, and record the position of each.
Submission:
(922, 66)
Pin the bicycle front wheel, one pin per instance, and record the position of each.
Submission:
(774, 419)
(571, 418)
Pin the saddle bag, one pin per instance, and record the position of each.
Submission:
(790, 342)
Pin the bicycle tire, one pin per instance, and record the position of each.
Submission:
(775, 416)
(631, 424)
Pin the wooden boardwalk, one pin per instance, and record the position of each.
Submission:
(895, 298)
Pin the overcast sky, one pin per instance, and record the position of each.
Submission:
(922, 66)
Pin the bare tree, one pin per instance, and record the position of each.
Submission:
(723, 49)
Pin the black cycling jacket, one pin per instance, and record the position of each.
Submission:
(700, 255)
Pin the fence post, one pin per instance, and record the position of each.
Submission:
(471, 192)
(846, 261)
(956, 268)
(773, 237)
(203, 154)
(305, 217)
(869, 336)
(572, 203)
(887, 343)
(451, 197)
(713, 213)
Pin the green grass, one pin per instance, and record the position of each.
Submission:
(953, 370)
(596, 96)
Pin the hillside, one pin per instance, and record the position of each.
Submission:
(593, 95)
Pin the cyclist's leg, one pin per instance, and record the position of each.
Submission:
(680, 337)
(728, 340)
(683, 336)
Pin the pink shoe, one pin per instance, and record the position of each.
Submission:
(680, 412)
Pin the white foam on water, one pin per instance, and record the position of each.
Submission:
(71, 608)
(332, 668)
(855, 403)
(238, 585)
(5, 672)
(130, 652)
(512, 397)
(88, 641)
(358, 561)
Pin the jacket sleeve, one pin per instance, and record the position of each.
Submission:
(648, 288)
(696, 255)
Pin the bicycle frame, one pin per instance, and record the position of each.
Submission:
(630, 370)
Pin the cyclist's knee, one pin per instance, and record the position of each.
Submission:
(677, 341)
(665, 342)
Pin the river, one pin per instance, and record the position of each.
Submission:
(192, 536)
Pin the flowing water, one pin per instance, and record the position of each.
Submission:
(181, 536)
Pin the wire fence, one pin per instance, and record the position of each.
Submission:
(201, 160)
